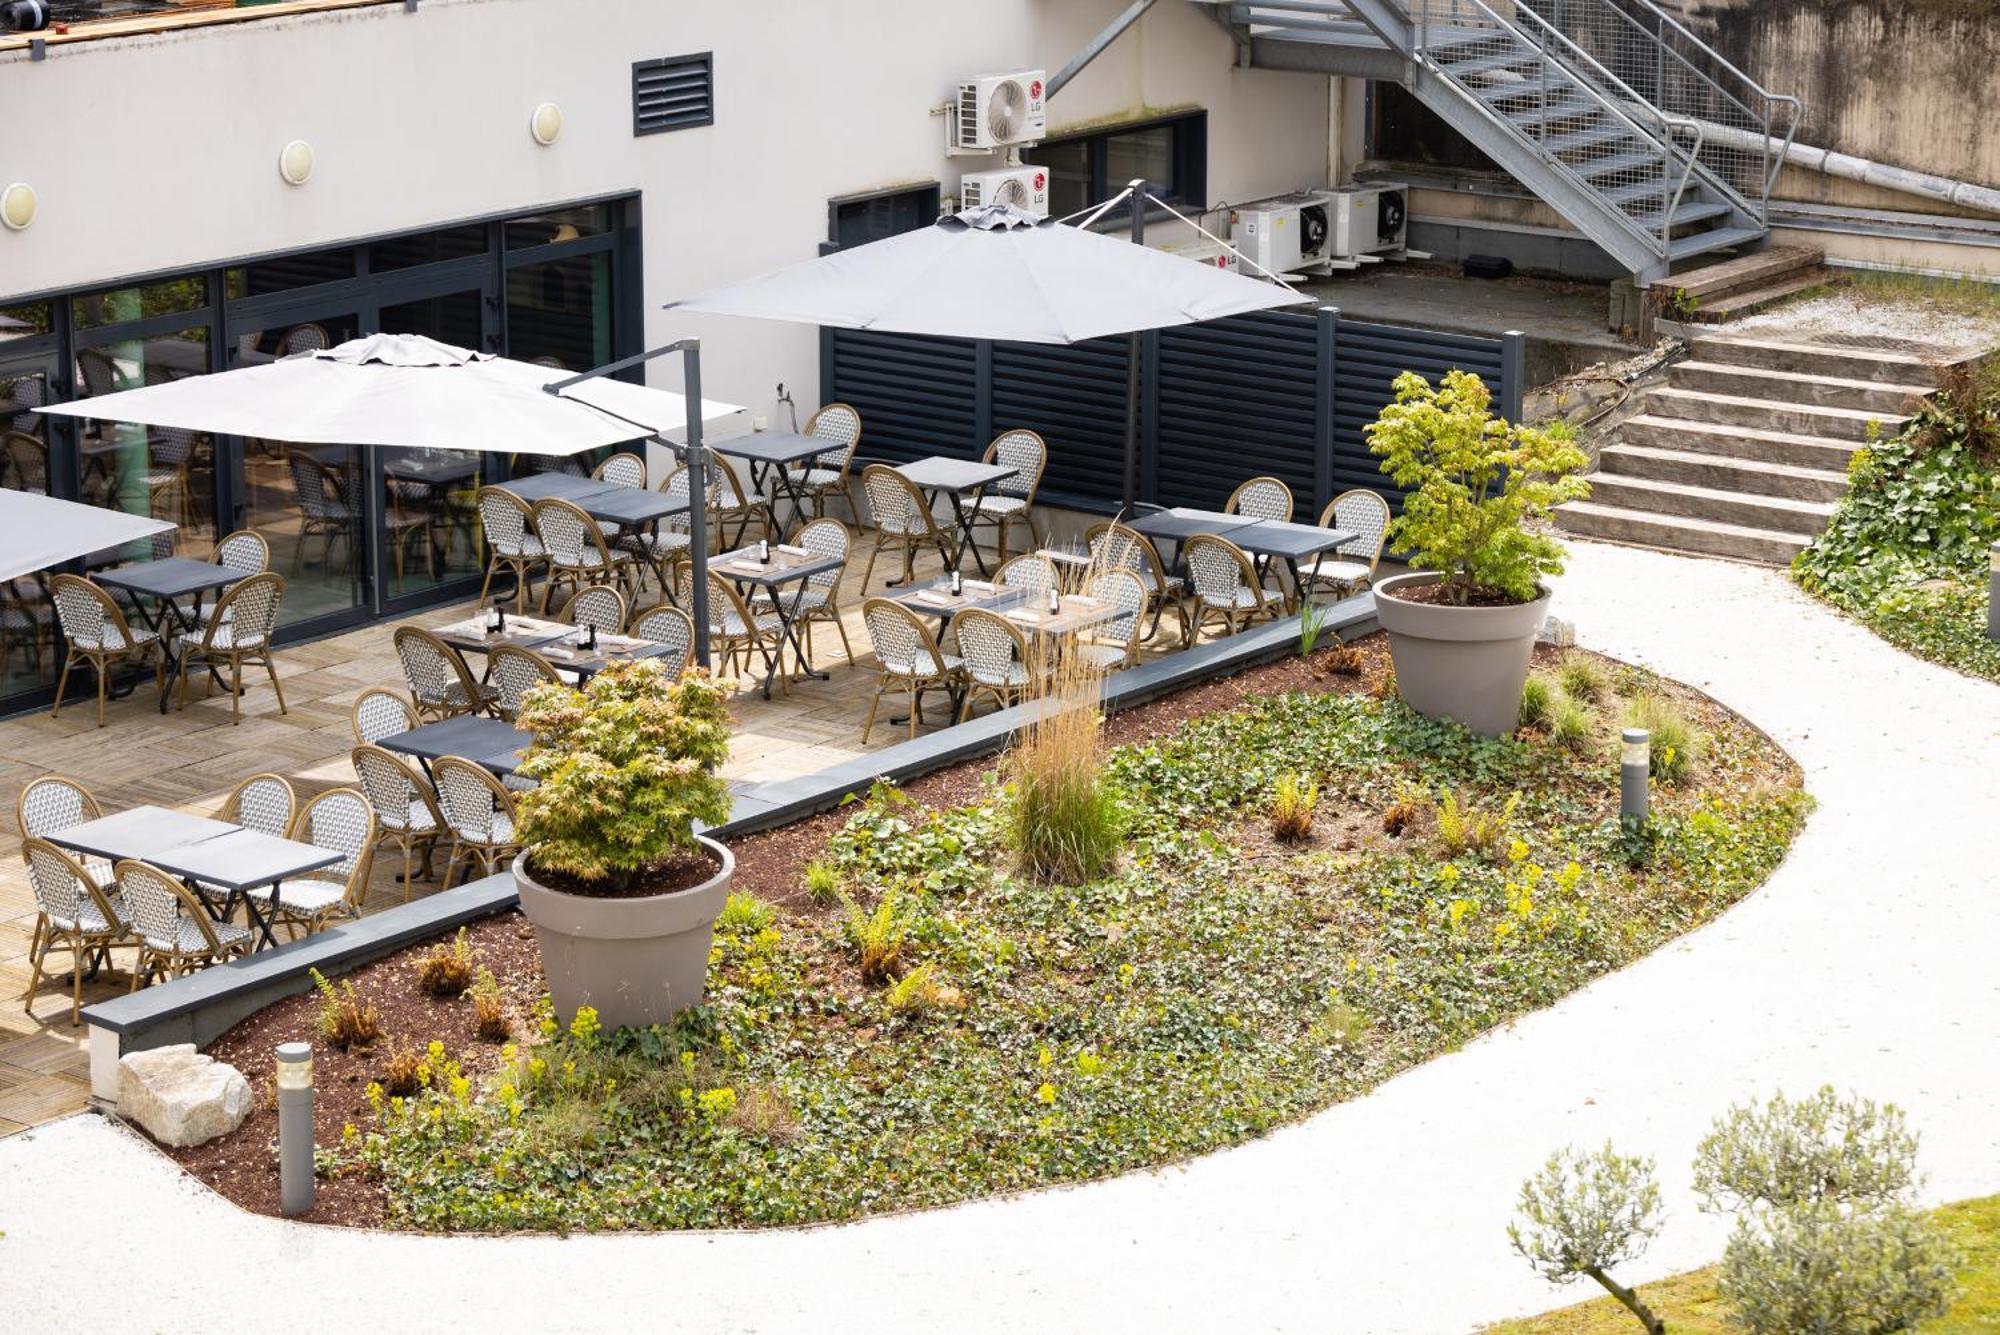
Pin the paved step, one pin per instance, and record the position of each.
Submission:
(1767, 266)
(1821, 453)
(1722, 238)
(1740, 302)
(1779, 514)
(1791, 387)
(1898, 368)
(1722, 472)
(1679, 533)
(1765, 415)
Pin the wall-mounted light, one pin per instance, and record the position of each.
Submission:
(546, 123)
(295, 162)
(17, 206)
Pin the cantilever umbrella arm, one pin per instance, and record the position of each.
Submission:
(695, 454)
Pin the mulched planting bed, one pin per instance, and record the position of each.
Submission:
(939, 1028)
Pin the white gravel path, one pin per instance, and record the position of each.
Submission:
(1869, 960)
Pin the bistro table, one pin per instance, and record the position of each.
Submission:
(1179, 524)
(207, 854)
(491, 742)
(522, 632)
(561, 486)
(956, 479)
(568, 652)
(166, 582)
(937, 600)
(787, 565)
(771, 455)
(1076, 613)
(1274, 540)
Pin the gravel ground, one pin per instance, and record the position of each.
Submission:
(1866, 961)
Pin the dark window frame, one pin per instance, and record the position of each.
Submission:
(706, 60)
(1190, 152)
(928, 197)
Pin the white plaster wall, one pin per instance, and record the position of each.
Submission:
(151, 153)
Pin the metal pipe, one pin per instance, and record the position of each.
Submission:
(1095, 46)
(1961, 194)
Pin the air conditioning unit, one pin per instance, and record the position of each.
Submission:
(997, 110)
(1323, 229)
(1025, 187)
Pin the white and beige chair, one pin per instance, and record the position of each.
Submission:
(579, 553)
(736, 631)
(511, 542)
(995, 657)
(244, 552)
(909, 660)
(819, 600)
(1226, 589)
(668, 625)
(97, 635)
(730, 500)
(1351, 566)
(441, 685)
(1011, 500)
(601, 606)
(829, 473)
(379, 712)
(1261, 498)
(659, 546)
(902, 518)
(176, 933)
(266, 803)
(238, 635)
(513, 672)
(623, 469)
(338, 820)
(1115, 546)
(1030, 572)
(1114, 644)
(479, 812)
(51, 804)
(405, 807)
(74, 914)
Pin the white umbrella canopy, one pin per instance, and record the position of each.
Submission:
(407, 390)
(997, 273)
(37, 531)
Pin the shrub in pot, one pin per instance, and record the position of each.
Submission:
(1462, 624)
(622, 892)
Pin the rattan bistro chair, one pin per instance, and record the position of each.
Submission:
(830, 472)
(441, 685)
(903, 520)
(1031, 572)
(338, 820)
(516, 671)
(623, 469)
(1117, 547)
(479, 812)
(1115, 643)
(1011, 500)
(1226, 588)
(819, 600)
(176, 933)
(730, 500)
(1351, 566)
(658, 547)
(909, 658)
(996, 659)
(238, 635)
(405, 807)
(511, 542)
(245, 552)
(98, 636)
(73, 913)
(735, 629)
(601, 606)
(379, 712)
(668, 625)
(579, 553)
(1261, 498)
(265, 803)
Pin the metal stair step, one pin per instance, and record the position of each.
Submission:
(1738, 442)
(1686, 212)
(1488, 64)
(1794, 387)
(1581, 139)
(1655, 187)
(1723, 472)
(1722, 238)
(1767, 415)
(1620, 162)
(1814, 358)
(1680, 533)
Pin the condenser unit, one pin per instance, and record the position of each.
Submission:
(1323, 229)
(999, 110)
(1025, 187)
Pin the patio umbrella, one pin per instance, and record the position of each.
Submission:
(406, 390)
(996, 272)
(37, 531)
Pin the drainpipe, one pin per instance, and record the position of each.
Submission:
(1960, 194)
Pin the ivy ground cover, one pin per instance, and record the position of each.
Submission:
(915, 1025)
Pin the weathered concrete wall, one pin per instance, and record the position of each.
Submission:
(1912, 83)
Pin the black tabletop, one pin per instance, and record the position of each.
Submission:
(1182, 523)
(1270, 537)
(773, 447)
(243, 858)
(563, 486)
(783, 567)
(494, 743)
(631, 505)
(938, 473)
(143, 832)
(170, 577)
(433, 470)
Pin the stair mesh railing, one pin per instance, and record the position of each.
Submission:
(1586, 122)
(1746, 129)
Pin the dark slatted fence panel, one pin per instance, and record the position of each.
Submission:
(1368, 358)
(1074, 395)
(916, 395)
(1237, 399)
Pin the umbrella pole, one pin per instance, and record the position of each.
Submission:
(697, 466)
(1137, 191)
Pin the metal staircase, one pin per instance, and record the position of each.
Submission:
(1613, 113)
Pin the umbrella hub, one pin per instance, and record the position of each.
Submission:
(994, 218)
(399, 350)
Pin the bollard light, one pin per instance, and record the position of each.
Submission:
(295, 1127)
(1635, 763)
(1993, 593)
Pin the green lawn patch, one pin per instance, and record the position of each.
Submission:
(1690, 1306)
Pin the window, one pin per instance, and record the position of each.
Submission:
(677, 93)
(859, 219)
(1088, 169)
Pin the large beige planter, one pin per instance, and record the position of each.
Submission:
(637, 961)
(1463, 663)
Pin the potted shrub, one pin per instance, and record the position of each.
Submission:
(622, 892)
(1462, 624)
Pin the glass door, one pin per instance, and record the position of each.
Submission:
(29, 651)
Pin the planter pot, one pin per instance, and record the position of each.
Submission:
(638, 961)
(1463, 663)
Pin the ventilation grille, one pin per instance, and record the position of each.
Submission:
(677, 93)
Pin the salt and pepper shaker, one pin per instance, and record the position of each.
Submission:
(493, 622)
(763, 551)
(590, 637)
(1055, 601)
(957, 584)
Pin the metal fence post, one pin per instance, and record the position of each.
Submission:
(1513, 373)
(1149, 417)
(1326, 373)
(982, 394)
(829, 382)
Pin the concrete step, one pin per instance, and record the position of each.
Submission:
(1778, 514)
(1820, 453)
(1764, 415)
(1742, 301)
(1723, 472)
(1711, 281)
(1678, 533)
(1898, 368)
(1792, 387)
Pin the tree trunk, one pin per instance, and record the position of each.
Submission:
(1632, 1302)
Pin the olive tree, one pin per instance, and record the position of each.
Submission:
(1822, 1148)
(1832, 1269)
(1586, 1212)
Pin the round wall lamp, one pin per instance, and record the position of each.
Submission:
(295, 162)
(546, 123)
(17, 206)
